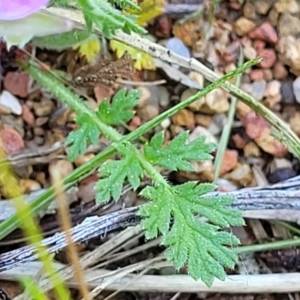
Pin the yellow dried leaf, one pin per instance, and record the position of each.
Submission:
(9, 183)
(150, 9)
(90, 48)
(142, 59)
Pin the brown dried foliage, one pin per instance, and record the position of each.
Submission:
(105, 72)
(278, 259)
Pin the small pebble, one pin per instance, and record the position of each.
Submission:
(273, 16)
(272, 88)
(16, 83)
(294, 122)
(203, 120)
(296, 89)
(262, 6)
(197, 77)
(281, 174)
(246, 87)
(232, 51)
(196, 105)
(43, 108)
(268, 74)
(258, 89)
(288, 49)
(27, 115)
(145, 96)
(259, 45)
(264, 32)
(239, 141)
(201, 131)
(59, 169)
(225, 185)
(12, 141)
(291, 6)
(279, 71)
(242, 26)
(216, 101)
(29, 185)
(230, 160)
(269, 58)
(250, 53)
(165, 123)
(256, 74)
(41, 121)
(288, 25)
(251, 149)
(177, 46)
(184, 118)
(213, 57)
(82, 159)
(249, 11)
(241, 175)
(11, 102)
(164, 97)
(217, 123)
(163, 26)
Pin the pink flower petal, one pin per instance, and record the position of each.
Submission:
(18, 9)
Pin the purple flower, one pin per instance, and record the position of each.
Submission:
(18, 9)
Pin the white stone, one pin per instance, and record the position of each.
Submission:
(296, 89)
(11, 102)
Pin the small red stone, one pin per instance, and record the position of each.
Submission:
(230, 160)
(239, 142)
(12, 141)
(259, 45)
(254, 125)
(17, 83)
(269, 58)
(27, 115)
(264, 32)
(163, 26)
(256, 74)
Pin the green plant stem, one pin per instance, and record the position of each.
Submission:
(268, 246)
(227, 128)
(42, 202)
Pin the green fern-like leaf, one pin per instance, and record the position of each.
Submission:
(178, 153)
(202, 246)
(107, 18)
(114, 174)
(78, 139)
(121, 108)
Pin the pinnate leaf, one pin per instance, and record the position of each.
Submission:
(114, 174)
(178, 153)
(78, 139)
(127, 4)
(121, 108)
(202, 246)
(107, 18)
